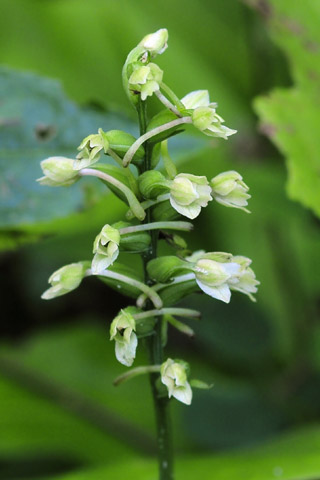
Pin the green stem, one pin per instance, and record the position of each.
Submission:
(152, 133)
(133, 202)
(154, 342)
(180, 312)
(151, 294)
(182, 226)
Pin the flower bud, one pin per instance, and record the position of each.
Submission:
(229, 189)
(152, 184)
(188, 193)
(58, 172)
(90, 149)
(155, 43)
(174, 377)
(163, 269)
(105, 248)
(122, 331)
(145, 79)
(65, 279)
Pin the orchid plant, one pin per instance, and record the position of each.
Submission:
(155, 199)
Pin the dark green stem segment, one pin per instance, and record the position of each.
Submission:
(154, 343)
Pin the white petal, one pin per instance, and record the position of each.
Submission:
(220, 293)
(126, 352)
(191, 211)
(183, 394)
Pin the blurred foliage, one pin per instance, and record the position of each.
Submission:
(59, 411)
(290, 117)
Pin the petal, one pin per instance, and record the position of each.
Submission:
(183, 394)
(191, 211)
(222, 292)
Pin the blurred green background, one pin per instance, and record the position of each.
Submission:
(60, 79)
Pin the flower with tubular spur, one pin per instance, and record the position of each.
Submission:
(174, 377)
(122, 331)
(65, 280)
(214, 272)
(58, 172)
(145, 79)
(155, 43)
(105, 248)
(90, 149)
(204, 116)
(189, 193)
(246, 281)
(229, 189)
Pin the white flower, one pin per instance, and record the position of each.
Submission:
(146, 79)
(204, 116)
(189, 193)
(174, 376)
(105, 248)
(90, 149)
(58, 172)
(246, 281)
(213, 272)
(229, 189)
(155, 43)
(122, 331)
(65, 280)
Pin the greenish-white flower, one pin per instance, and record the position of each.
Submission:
(90, 149)
(58, 172)
(155, 43)
(229, 189)
(65, 280)
(214, 272)
(218, 273)
(174, 377)
(189, 193)
(105, 249)
(204, 115)
(246, 281)
(145, 79)
(122, 331)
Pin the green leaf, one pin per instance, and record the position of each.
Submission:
(294, 457)
(57, 397)
(38, 121)
(291, 117)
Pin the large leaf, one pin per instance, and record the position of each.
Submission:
(38, 121)
(294, 457)
(291, 117)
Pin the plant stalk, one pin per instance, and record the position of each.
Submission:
(154, 343)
